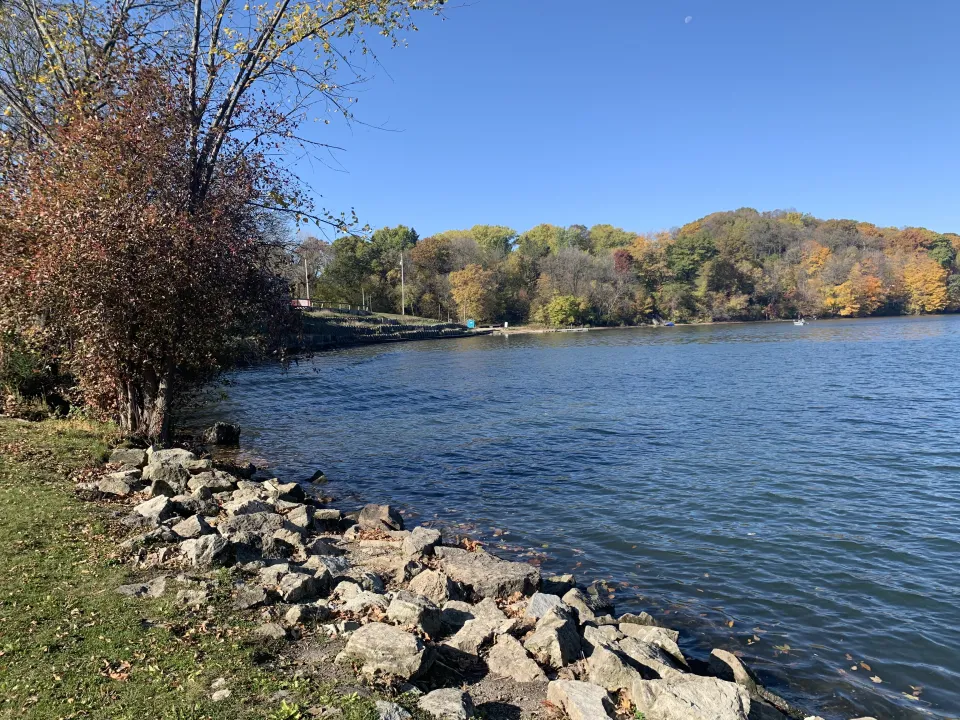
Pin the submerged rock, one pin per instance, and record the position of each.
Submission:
(223, 434)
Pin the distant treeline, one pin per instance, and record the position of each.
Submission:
(740, 265)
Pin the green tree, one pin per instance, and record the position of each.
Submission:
(687, 253)
(566, 310)
(608, 237)
(497, 239)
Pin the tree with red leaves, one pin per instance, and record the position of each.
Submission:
(110, 260)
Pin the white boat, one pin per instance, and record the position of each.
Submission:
(799, 321)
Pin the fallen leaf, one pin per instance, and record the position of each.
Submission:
(730, 624)
(865, 666)
(848, 656)
(876, 679)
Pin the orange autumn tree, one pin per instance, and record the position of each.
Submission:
(926, 285)
(141, 289)
(860, 295)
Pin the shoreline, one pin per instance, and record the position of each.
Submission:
(474, 579)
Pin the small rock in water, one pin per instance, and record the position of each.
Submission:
(223, 434)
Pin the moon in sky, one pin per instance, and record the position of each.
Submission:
(688, 19)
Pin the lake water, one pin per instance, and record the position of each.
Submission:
(792, 493)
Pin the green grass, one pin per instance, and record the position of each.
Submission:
(71, 647)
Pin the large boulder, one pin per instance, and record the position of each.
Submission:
(609, 669)
(171, 456)
(262, 524)
(507, 658)
(650, 656)
(580, 700)
(380, 517)
(434, 585)
(385, 650)
(489, 576)
(215, 480)
(410, 610)
(296, 587)
(158, 509)
(664, 638)
(420, 542)
(539, 604)
(208, 550)
(555, 643)
(192, 527)
(691, 697)
(390, 711)
(727, 666)
(174, 477)
(131, 457)
(447, 704)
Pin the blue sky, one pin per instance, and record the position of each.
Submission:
(517, 112)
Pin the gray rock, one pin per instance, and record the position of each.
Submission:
(727, 666)
(391, 711)
(246, 506)
(326, 515)
(261, 524)
(465, 646)
(370, 581)
(162, 487)
(641, 619)
(385, 650)
(610, 670)
(271, 631)
(346, 590)
(434, 585)
(407, 609)
(558, 585)
(691, 697)
(129, 456)
(220, 695)
(380, 517)
(158, 509)
(319, 546)
(154, 588)
(580, 700)
(292, 492)
(208, 550)
(215, 481)
(341, 629)
(539, 604)
(222, 434)
(650, 656)
(507, 658)
(420, 542)
(363, 602)
(301, 517)
(555, 643)
(603, 635)
(664, 638)
(294, 587)
(456, 613)
(447, 704)
(582, 603)
(251, 597)
(192, 527)
(172, 456)
(173, 476)
(488, 575)
(188, 505)
(112, 485)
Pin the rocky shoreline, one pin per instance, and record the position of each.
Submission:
(445, 631)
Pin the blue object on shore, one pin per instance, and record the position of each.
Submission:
(668, 324)
(471, 324)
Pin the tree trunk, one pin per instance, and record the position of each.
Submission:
(145, 405)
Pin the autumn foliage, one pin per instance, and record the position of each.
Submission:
(108, 262)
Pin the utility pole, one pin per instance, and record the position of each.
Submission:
(403, 292)
(306, 277)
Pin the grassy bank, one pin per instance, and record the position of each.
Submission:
(327, 328)
(71, 647)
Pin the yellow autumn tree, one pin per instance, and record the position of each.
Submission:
(814, 257)
(926, 282)
(474, 291)
(860, 295)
